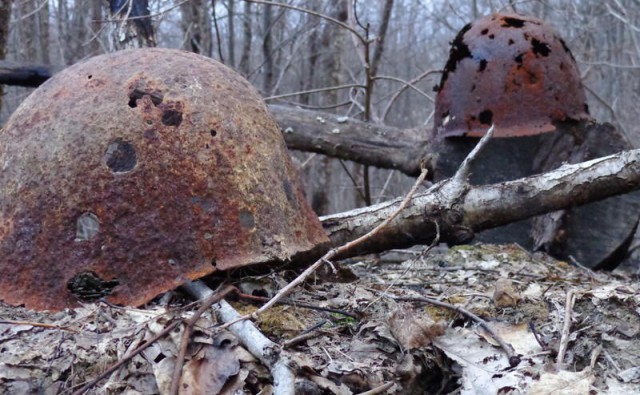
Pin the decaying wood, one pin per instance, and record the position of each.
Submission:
(268, 352)
(486, 206)
(350, 139)
(21, 74)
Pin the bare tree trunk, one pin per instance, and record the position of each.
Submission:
(32, 28)
(232, 35)
(5, 16)
(43, 31)
(380, 37)
(245, 59)
(267, 49)
(134, 28)
(196, 26)
(308, 81)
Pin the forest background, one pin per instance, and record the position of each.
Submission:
(283, 51)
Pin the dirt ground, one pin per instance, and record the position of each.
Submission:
(361, 327)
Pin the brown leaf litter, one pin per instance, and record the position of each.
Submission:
(412, 347)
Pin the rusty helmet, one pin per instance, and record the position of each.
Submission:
(512, 71)
(127, 174)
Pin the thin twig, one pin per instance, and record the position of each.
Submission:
(128, 18)
(301, 305)
(594, 356)
(462, 174)
(353, 180)
(310, 12)
(188, 330)
(378, 390)
(566, 328)
(397, 94)
(38, 324)
(305, 335)
(217, 30)
(312, 107)
(433, 244)
(333, 253)
(340, 250)
(406, 83)
(294, 341)
(385, 186)
(514, 360)
(330, 88)
(128, 357)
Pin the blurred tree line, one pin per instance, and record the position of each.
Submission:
(374, 60)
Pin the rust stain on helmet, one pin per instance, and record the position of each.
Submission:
(512, 71)
(130, 173)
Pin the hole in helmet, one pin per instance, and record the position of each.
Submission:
(484, 31)
(87, 227)
(483, 65)
(512, 22)
(213, 262)
(90, 76)
(89, 286)
(137, 94)
(492, 36)
(213, 132)
(511, 42)
(172, 118)
(518, 59)
(459, 51)
(540, 48)
(485, 117)
(120, 156)
(246, 219)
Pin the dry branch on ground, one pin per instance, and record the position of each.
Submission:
(349, 356)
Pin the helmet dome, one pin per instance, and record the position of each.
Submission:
(129, 173)
(512, 71)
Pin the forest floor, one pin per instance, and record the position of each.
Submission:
(370, 330)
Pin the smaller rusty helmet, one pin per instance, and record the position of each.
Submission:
(511, 71)
(130, 173)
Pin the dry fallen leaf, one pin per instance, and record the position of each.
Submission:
(413, 331)
(505, 294)
(208, 372)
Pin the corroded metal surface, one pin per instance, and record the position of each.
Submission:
(512, 71)
(129, 173)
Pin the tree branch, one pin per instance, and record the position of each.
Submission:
(354, 140)
(487, 206)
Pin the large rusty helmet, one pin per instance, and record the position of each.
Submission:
(512, 71)
(129, 173)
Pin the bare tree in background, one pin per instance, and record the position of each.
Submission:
(134, 28)
(197, 27)
(267, 49)
(5, 16)
(245, 59)
(232, 33)
(284, 52)
(79, 27)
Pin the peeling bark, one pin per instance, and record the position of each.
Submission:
(350, 139)
(483, 207)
